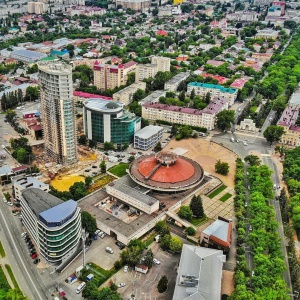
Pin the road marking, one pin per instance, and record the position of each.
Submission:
(266, 155)
(13, 241)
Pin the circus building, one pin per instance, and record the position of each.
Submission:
(155, 186)
(166, 172)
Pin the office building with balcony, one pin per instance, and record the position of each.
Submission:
(53, 225)
(148, 137)
(215, 90)
(58, 112)
(108, 121)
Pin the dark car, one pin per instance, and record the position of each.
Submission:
(89, 242)
(94, 167)
(36, 261)
(120, 245)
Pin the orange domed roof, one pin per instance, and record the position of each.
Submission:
(180, 171)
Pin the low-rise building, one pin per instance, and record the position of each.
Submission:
(153, 97)
(218, 234)
(27, 56)
(267, 34)
(148, 137)
(199, 275)
(53, 225)
(172, 84)
(215, 90)
(22, 182)
(125, 95)
(184, 115)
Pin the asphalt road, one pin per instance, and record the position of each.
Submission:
(23, 268)
(256, 142)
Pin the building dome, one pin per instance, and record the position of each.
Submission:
(112, 105)
(166, 172)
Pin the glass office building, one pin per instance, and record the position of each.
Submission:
(108, 121)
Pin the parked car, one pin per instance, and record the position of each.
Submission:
(126, 269)
(34, 255)
(120, 245)
(109, 250)
(156, 261)
(94, 167)
(122, 284)
(24, 234)
(87, 170)
(4, 200)
(36, 261)
(9, 204)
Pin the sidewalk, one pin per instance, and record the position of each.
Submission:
(3, 262)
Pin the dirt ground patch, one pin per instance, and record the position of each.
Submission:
(227, 282)
(207, 153)
(63, 183)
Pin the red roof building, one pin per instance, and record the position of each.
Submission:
(238, 83)
(220, 79)
(162, 33)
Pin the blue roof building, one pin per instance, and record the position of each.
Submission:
(54, 225)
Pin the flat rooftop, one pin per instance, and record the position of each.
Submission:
(39, 200)
(148, 131)
(213, 86)
(153, 97)
(27, 182)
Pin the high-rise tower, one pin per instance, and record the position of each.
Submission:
(57, 111)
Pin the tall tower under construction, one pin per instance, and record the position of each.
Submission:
(58, 112)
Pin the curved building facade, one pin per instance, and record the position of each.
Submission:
(108, 121)
(54, 225)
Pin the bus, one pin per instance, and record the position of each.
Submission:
(80, 288)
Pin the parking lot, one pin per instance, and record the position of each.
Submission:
(144, 286)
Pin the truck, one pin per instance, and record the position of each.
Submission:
(90, 277)
(71, 279)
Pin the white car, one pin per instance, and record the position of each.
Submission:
(122, 284)
(100, 233)
(9, 204)
(4, 200)
(23, 234)
(126, 269)
(156, 261)
(97, 231)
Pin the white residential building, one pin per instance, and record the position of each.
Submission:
(57, 111)
(163, 63)
(145, 71)
(125, 95)
(172, 84)
(148, 137)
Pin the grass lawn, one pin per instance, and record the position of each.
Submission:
(100, 182)
(217, 191)
(225, 197)
(198, 221)
(12, 276)
(119, 170)
(2, 252)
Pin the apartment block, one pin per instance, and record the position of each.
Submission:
(134, 4)
(111, 76)
(57, 111)
(145, 71)
(184, 115)
(215, 90)
(125, 95)
(36, 8)
(267, 34)
(148, 137)
(172, 84)
(163, 63)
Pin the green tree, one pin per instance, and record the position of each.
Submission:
(78, 190)
(162, 284)
(196, 206)
(103, 167)
(190, 231)
(273, 133)
(175, 244)
(88, 222)
(107, 293)
(162, 228)
(222, 167)
(10, 115)
(224, 119)
(158, 147)
(193, 94)
(82, 140)
(207, 98)
(181, 96)
(109, 146)
(131, 159)
(185, 213)
(88, 181)
(165, 241)
(32, 93)
(149, 259)
(22, 155)
(138, 95)
(253, 160)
